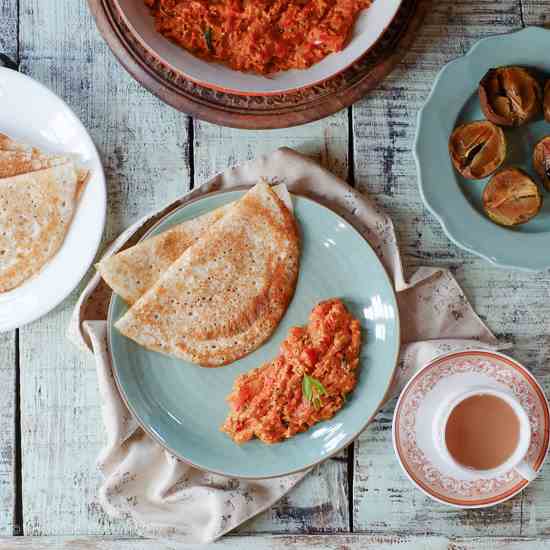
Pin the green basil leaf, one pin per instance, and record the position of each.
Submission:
(321, 390)
(306, 388)
(313, 390)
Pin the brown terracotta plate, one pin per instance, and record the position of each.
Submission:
(261, 112)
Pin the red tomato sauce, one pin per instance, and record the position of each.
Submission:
(273, 403)
(260, 36)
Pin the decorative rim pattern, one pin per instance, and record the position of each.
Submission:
(257, 112)
(418, 467)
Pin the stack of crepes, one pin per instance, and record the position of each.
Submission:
(38, 197)
(213, 288)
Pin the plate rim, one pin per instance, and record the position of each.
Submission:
(480, 250)
(521, 485)
(102, 182)
(249, 93)
(346, 443)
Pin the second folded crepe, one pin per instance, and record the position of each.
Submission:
(227, 292)
(36, 210)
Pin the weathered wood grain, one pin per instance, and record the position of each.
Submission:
(384, 122)
(535, 12)
(517, 308)
(143, 145)
(514, 304)
(7, 433)
(8, 28)
(8, 46)
(145, 151)
(323, 542)
(217, 148)
(320, 502)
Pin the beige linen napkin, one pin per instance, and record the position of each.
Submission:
(168, 498)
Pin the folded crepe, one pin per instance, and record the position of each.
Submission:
(14, 163)
(19, 158)
(36, 210)
(9, 144)
(134, 271)
(228, 291)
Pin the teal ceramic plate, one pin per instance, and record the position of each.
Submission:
(455, 201)
(183, 405)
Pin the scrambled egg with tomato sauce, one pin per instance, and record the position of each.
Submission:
(260, 36)
(308, 382)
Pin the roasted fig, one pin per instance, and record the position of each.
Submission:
(511, 197)
(547, 101)
(509, 96)
(477, 149)
(541, 160)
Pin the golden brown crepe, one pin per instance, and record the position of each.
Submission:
(19, 158)
(35, 212)
(9, 144)
(133, 271)
(227, 292)
(14, 163)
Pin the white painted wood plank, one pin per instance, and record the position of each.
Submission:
(517, 308)
(8, 28)
(7, 433)
(384, 126)
(536, 12)
(8, 46)
(217, 148)
(385, 121)
(143, 146)
(320, 502)
(531, 312)
(320, 542)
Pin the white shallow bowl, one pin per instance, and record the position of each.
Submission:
(370, 25)
(30, 113)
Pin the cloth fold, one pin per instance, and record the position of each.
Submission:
(168, 498)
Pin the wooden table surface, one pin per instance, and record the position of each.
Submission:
(50, 423)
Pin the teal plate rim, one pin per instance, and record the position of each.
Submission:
(147, 429)
(500, 246)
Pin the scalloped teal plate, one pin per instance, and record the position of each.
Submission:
(455, 201)
(183, 405)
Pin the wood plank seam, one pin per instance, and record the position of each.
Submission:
(191, 151)
(18, 500)
(297, 542)
(9, 447)
(521, 16)
(18, 503)
(18, 496)
(351, 447)
(18, 31)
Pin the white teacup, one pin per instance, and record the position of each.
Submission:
(516, 461)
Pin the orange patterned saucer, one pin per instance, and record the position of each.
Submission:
(413, 426)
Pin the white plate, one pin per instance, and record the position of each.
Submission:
(370, 25)
(32, 114)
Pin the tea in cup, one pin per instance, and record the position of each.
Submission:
(482, 433)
